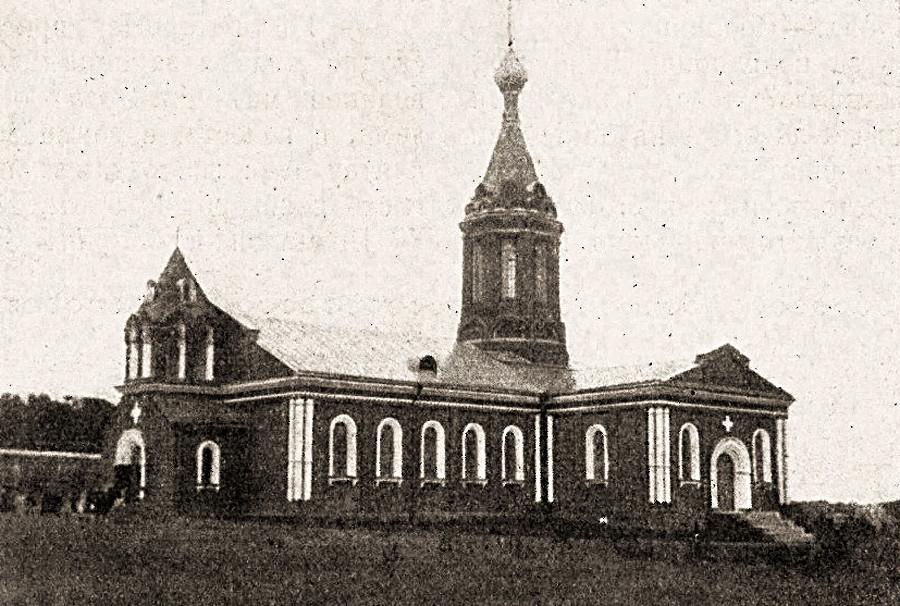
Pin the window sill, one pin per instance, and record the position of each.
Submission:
(596, 482)
(396, 481)
(339, 480)
(479, 482)
(208, 487)
(694, 483)
(432, 482)
(514, 482)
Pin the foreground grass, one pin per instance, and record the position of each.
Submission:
(50, 560)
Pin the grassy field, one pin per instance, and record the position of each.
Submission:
(128, 560)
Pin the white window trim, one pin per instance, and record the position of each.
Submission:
(508, 262)
(518, 475)
(590, 470)
(766, 454)
(440, 455)
(397, 460)
(131, 366)
(146, 353)
(540, 272)
(480, 453)
(209, 367)
(181, 336)
(693, 475)
(349, 471)
(215, 466)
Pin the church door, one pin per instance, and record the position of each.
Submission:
(130, 465)
(725, 482)
(127, 480)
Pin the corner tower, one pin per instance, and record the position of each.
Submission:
(510, 291)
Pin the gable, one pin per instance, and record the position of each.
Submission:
(728, 368)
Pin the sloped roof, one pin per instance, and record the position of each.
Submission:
(586, 378)
(367, 352)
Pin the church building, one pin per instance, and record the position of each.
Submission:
(249, 414)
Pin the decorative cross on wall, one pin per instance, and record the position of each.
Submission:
(136, 413)
(728, 423)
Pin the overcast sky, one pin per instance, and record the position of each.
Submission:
(725, 171)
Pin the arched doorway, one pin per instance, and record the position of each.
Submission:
(729, 476)
(130, 465)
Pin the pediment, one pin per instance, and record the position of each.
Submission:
(728, 368)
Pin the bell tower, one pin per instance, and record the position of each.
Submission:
(510, 287)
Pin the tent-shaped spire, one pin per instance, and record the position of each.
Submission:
(510, 160)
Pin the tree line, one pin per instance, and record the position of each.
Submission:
(39, 422)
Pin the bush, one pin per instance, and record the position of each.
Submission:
(863, 536)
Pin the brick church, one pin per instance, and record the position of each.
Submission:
(230, 412)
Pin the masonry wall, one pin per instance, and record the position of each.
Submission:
(367, 498)
(624, 498)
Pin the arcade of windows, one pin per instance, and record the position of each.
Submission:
(342, 453)
(141, 345)
(139, 363)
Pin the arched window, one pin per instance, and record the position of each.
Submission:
(474, 458)
(432, 462)
(477, 273)
(513, 456)
(146, 353)
(131, 370)
(389, 451)
(208, 465)
(508, 269)
(209, 373)
(540, 272)
(342, 449)
(688, 453)
(762, 456)
(596, 455)
(181, 337)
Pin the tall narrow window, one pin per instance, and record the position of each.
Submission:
(689, 453)
(762, 456)
(389, 451)
(596, 455)
(540, 272)
(180, 334)
(513, 455)
(432, 464)
(209, 375)
(508, 269)
(132, 370)
(474, 459)
(342, 449)
(146, 353)
(182, 291)
(477, 273)
(208, 466)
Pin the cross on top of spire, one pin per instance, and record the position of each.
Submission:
(509, 22)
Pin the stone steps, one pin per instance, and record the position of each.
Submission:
(776, 528)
